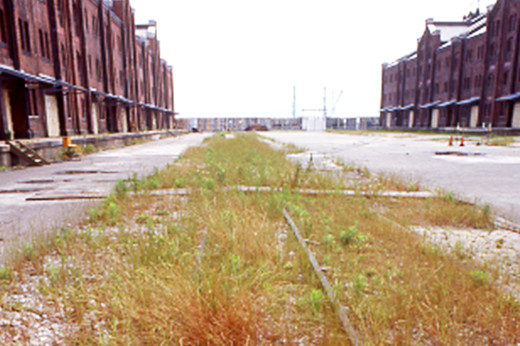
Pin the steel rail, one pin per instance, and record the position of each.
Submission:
(341, 310)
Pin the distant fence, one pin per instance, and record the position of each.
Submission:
(243, 124)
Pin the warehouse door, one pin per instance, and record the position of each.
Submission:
(124, 120)
(17, 120)
(8, 113)
(53, 118)
(515, 123)
(95, 118)
(474, 117)
(389, 120)
(435, 119)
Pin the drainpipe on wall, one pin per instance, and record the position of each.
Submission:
(84, 68)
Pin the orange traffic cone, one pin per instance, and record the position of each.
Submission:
(462, 141)
(451, 141)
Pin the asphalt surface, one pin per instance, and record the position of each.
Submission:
(485, 174)
(36, 200)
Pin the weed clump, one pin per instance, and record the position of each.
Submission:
(479, 278)
(5, 273)
(108, 214)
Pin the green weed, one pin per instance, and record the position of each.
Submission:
(5, 274)
(480, 278)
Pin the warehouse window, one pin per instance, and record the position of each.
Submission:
(469, 56)
(27, 36)
(42, 43)
(86, 20)
(492, 50)
(512, 22)
(98, 70)
(24, 33)
(47, 47)
(497, 28)
(478, 81)
(480, 52)
(33, 109)
(489, 81)
(3, 34)
(81, 73)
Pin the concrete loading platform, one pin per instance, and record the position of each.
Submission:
(52, 148)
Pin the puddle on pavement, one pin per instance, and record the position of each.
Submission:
(41, 181)
(74, 172)
(13, 191)
(71, 197)
(457, 153)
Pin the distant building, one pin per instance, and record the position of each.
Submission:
(242, 124)
(361, 123)
(463, 74)
(78, 67)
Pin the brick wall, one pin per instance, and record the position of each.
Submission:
(77, 66)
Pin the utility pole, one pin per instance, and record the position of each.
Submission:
(325, 102)
(294, 102)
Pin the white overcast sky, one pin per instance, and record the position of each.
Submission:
(243, 57)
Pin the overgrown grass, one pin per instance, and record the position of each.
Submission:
(89, 149)
(400, 289)
(501, 141)
(221, 267)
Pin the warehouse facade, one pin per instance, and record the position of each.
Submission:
(463, 74)
(80, 67)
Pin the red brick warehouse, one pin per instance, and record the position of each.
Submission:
(80, 66)
(463, 73)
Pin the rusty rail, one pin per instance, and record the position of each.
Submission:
(341, 310)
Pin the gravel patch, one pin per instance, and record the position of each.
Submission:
(499, 249)
(28, 318)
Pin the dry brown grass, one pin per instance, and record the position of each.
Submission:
(402, 290)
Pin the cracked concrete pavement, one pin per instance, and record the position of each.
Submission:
(486, 175)
(36, 200)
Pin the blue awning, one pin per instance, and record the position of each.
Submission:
(446, 104)
(406, 108)
(509, 97)
(429, 105)
(468, 101)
